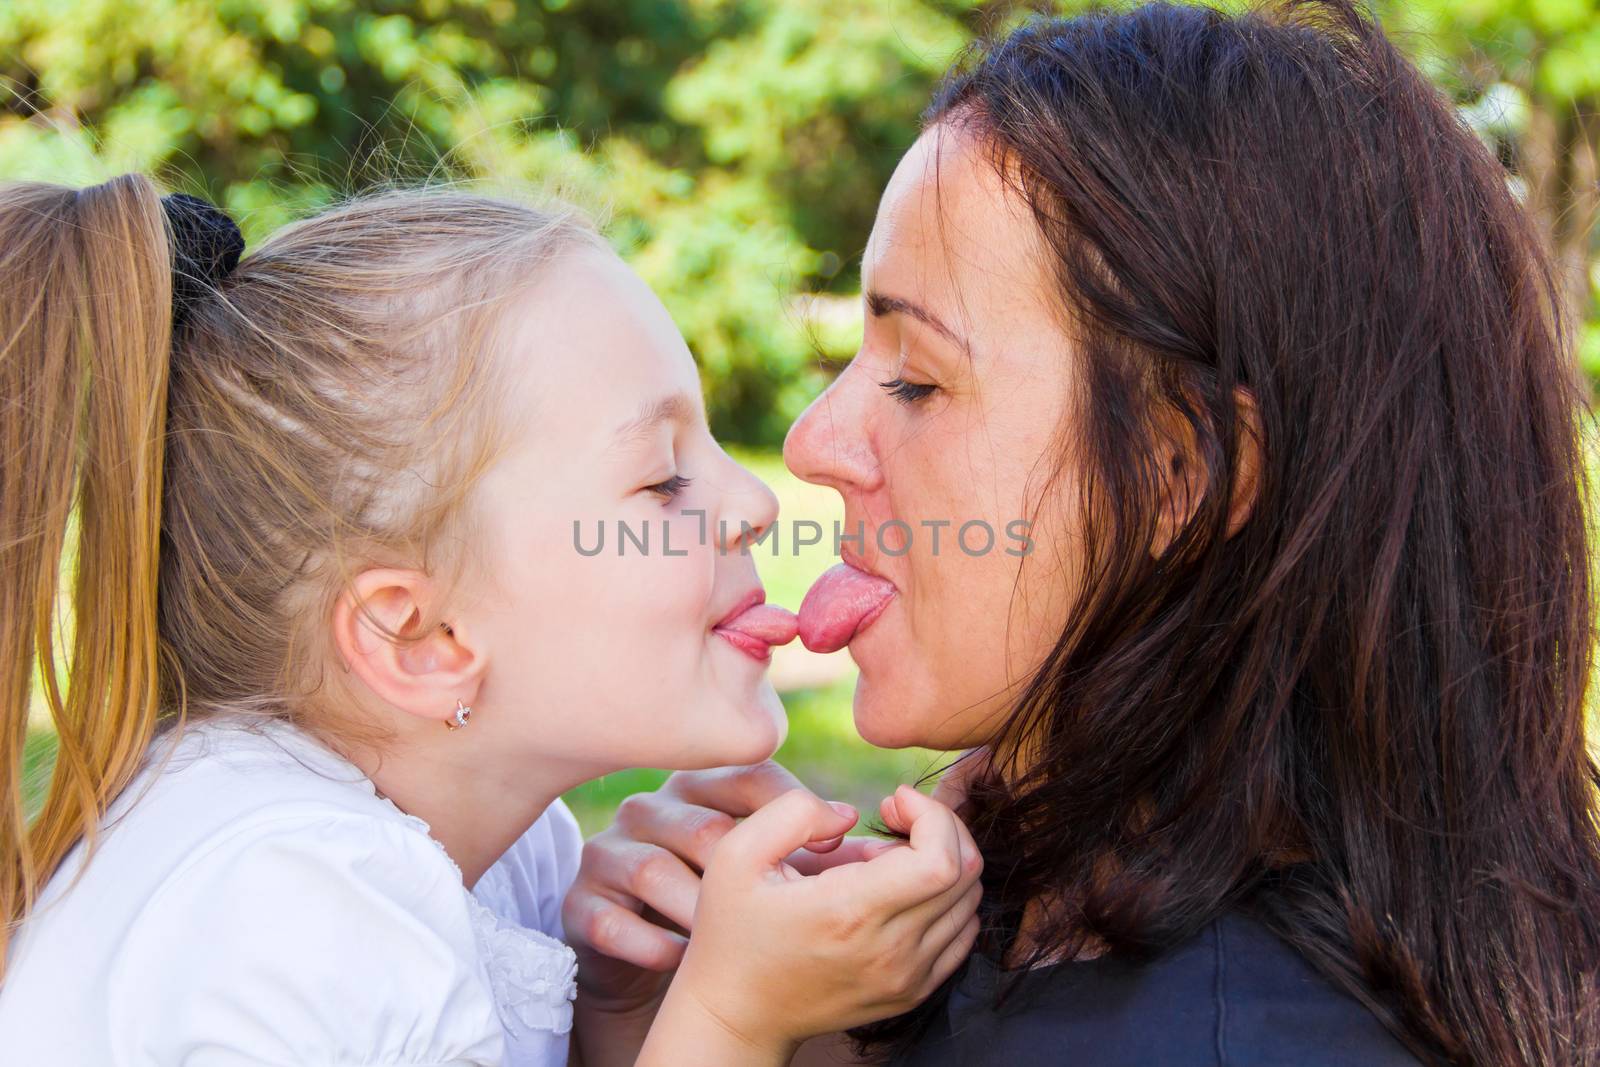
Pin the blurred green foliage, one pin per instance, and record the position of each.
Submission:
(1526, 74)
(738, 146)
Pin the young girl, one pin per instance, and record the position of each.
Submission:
(336, 652)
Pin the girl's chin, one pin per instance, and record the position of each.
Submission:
(774, 723)
(756, 728)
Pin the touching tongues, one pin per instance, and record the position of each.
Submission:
(841, 602)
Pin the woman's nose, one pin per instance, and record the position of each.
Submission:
(830, 444)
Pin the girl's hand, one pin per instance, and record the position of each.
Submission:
(779, 956)
(636, 890)
(635, 893)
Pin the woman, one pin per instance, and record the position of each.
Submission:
(1285, 709)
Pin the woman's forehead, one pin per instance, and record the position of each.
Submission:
(950, 228)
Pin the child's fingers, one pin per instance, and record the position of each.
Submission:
(951, 958)
(941, 916)
(940, 858)
(692, 831)
(809, 861)
(876, 847)
(889, 812)
(947, 927)
(846, 811)
(764, 840)
(935, 829)
(612, 930)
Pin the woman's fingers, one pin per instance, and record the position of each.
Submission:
(738, 791)
(734, 792)
(606, 927)
(687, 830)
(620, 869)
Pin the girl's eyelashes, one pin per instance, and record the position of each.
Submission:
(907, 392)
(670, 488)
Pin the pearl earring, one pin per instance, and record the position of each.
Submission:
(462, 711)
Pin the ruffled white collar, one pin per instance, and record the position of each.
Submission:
(534, 977)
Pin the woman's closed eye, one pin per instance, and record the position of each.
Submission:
(907, 392)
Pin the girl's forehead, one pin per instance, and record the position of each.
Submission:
(589, 344)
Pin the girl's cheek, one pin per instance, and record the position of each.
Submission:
(685, 564)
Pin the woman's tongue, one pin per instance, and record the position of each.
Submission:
(840, 603)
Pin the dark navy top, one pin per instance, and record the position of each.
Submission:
(1234, 995)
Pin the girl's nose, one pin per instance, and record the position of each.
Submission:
(748, 512)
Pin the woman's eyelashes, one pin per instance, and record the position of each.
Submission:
(907, 392)
(669, 489)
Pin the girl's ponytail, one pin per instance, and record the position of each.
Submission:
(243, 476)
(85, 333)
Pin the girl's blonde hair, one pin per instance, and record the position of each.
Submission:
(209, 492)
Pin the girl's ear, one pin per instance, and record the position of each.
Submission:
(1185, 472)
(378, 628)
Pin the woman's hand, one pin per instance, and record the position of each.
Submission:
(779, 956)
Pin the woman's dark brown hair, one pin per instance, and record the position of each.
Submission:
(1361, 717)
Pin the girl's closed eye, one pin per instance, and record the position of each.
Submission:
(907, 392)
(670, 488)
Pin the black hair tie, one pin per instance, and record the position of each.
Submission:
(206, 245)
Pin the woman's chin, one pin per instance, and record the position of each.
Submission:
(891, 715)
(881, 721)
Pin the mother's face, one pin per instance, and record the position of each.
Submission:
(958, 298)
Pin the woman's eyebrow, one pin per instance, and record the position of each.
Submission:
(881, 304)
(652, 413)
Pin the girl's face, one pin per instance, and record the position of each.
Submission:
(949, 415)
(613, 658)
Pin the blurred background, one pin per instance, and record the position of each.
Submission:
(737, 149)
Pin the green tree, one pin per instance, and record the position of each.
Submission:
(737, 147)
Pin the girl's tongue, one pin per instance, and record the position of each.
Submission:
(843, 601)
(768, 624)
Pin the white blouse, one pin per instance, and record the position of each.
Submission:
(253, 900)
